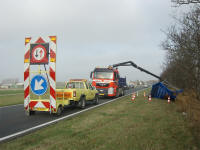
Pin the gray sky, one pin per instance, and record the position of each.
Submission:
(90, 33)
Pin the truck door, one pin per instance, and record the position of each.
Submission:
(92, 92)
(89, 92)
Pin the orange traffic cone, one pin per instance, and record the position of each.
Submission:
(149, 98)
(168, 100)
(133, 97)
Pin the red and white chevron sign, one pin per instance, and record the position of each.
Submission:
(40, 50)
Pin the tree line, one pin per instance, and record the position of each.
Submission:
(182, 45)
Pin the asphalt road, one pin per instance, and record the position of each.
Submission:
(13, 118)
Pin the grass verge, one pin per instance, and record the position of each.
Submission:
(11, 91)
(11, 100)
(188, 104)
(6, 97)
(123, 125)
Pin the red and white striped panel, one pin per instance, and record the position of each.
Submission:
(26, 73)
(52, 71)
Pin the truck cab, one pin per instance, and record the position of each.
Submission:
(107, 82)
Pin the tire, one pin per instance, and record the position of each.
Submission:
(122, 93)
(59, 111)
(96, 100)
(117, 94)
(29, 113)
(82, 103)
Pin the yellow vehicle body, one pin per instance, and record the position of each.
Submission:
(71, 95)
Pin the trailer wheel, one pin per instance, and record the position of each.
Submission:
(59, 111)
(96, 100)
(29, 113)
(82, 103)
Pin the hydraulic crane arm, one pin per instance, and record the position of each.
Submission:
(130, 63)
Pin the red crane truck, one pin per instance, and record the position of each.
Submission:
(108, 82)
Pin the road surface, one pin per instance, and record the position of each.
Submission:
(13, 118)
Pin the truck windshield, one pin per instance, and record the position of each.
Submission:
(103, 75)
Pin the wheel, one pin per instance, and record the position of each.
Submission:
(81, 103)
(96, 100)
(59, 111)
(117, 94)
(29, 112)
(122, 93)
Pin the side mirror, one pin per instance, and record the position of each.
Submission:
(65, 84)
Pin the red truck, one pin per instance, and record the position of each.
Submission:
(108, 82)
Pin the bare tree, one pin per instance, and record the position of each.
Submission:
(181, 2)
(183, 52)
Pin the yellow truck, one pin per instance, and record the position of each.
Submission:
(77, 93)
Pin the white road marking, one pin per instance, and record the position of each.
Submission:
(11, 106)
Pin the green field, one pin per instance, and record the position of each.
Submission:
(16, 96)
(11, 97)
(13, 91)
(122, 125)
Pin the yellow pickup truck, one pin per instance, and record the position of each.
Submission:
(77, 92)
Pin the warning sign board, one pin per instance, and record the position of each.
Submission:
(39, 53)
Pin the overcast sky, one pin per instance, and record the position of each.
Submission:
(90, 33)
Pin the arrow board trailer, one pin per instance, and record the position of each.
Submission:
(40, 75)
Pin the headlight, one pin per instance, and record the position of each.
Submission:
(110, 90)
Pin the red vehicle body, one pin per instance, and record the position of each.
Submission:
(107, 82)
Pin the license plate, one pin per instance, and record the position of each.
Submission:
(101, 94)
(41, 109)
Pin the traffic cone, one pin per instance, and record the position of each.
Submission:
(133, 97)
(168, 100)
(149, 98)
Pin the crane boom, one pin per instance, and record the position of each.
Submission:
(130, 63)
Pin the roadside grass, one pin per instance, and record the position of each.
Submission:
(6, 97)
(188, 104)
(11, 100)
(122, 125)
(11, 91)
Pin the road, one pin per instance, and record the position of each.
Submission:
(13, 118)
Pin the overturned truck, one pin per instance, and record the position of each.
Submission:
(161, 90)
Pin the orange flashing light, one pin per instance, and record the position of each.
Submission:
(27, 40)
(52, 60)
(26, 60)
(53, 38)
